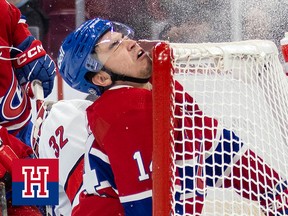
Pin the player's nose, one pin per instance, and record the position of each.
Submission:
(130, 44)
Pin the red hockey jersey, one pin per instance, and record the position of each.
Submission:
(118, 164)
(120, 158)
(15, 107)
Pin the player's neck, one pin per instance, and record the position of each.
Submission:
(133, 84)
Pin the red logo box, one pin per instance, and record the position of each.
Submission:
(35, 182)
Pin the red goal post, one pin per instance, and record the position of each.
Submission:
(242, 85)
(162, 137)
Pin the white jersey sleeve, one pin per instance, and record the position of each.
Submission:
(64, 134)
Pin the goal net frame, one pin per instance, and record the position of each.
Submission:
(167, 58)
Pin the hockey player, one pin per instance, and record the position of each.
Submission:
(22, 60)
(64, 139)
(101, 57)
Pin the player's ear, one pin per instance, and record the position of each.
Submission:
(102, 79)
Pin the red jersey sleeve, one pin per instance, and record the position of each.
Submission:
(21, 150)
(199, 126)
(13, 28)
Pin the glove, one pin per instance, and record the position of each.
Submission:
(34, 63)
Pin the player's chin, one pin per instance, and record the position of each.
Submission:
(148, 70)
(145, 63)
(148, 61)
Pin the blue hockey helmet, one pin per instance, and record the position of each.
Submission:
(75, 57)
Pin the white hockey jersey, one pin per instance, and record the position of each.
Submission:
(64, 134)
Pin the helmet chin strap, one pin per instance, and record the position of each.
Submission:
(116, 77)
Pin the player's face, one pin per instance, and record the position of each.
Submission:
(123, 55)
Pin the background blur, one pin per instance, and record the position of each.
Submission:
(191, 21)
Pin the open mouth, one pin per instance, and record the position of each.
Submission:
(140, 54)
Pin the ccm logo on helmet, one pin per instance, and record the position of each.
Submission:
(30, 54)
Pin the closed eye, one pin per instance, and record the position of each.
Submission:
(114, 44)
(117, 42)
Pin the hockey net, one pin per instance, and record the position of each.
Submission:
(240, 84)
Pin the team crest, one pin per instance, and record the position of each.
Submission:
(35, 182)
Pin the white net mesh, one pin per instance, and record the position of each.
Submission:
(231, 130)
